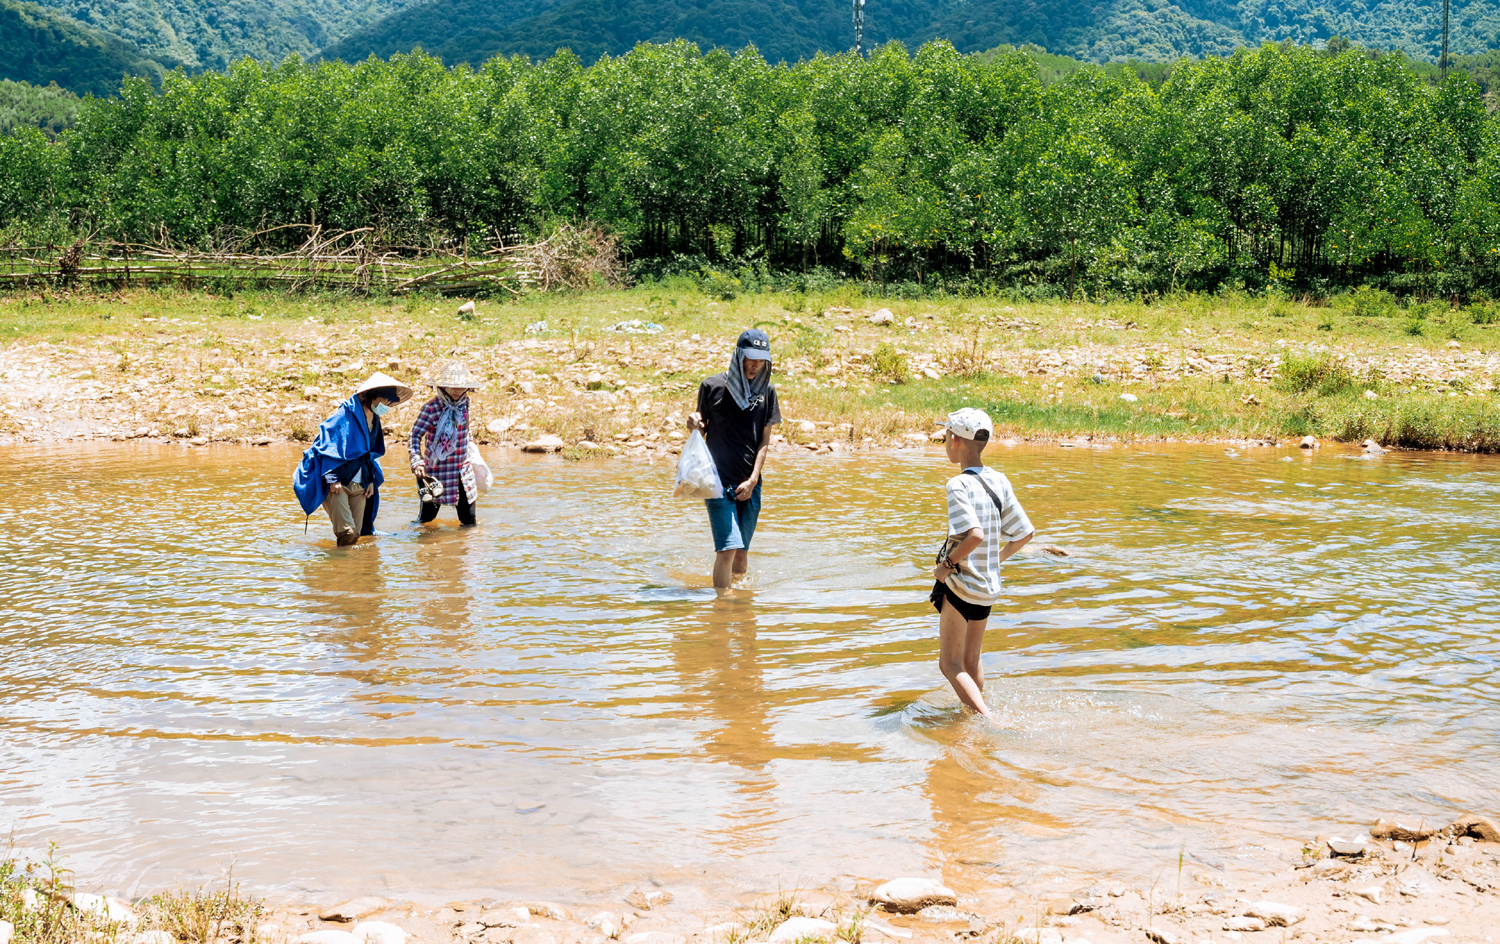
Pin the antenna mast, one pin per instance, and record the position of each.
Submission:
(1443, 61)
(859, 26)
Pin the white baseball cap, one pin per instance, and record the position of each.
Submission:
(970, 424)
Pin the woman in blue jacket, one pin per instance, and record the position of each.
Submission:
(340, 470)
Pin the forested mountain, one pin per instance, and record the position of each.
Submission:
(210, 34)
(1098, 30)
(39, 46)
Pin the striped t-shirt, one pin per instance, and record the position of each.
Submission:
(970, 506)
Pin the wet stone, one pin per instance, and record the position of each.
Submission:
(910, 895)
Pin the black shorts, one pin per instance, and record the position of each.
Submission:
(972, 612)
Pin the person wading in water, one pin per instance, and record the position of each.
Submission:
(340, 470)
(736, 410)
(439, 445)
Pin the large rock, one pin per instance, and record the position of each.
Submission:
(7, 931)
(1480, 827)
(504, 917)
(544, 444)
(327, 937)
(353, 909)
(795, 929)
(378, 932)
(1244, 923)
(910, 895)
(882, 317)
(1274, 914)
(104, 908)
(1383, 829)
(647, 898)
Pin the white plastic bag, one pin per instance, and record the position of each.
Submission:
(696, 475)
(482, 476)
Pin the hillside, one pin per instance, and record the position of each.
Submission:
(209, 34)
(1100, 31)
(39, 46)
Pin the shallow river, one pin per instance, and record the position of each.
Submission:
(1242, 651)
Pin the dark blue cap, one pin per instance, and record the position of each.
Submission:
(755, 344)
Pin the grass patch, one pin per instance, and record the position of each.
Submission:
(39, 899)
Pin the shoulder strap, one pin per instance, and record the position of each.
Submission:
(986, 486)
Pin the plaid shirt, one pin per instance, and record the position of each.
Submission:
(453, 469)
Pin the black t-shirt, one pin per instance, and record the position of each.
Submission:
(734, 434)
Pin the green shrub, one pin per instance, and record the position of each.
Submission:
(889, 363)
(1327, 376)
(1369, 302)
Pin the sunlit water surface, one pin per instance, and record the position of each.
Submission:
(1242, 649)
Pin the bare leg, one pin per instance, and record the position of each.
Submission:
(723, 569)
(741, 562)
(953, 634)
(974, 653)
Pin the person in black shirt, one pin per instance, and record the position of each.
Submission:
(736, 410)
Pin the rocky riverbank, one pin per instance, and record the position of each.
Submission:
(1401, 884)
(615, 373)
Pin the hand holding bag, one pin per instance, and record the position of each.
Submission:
(697, 476)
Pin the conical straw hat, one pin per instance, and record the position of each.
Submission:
(452, 374)
(378, 380)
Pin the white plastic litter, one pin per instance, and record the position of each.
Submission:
(483, 478)
(637, 326)
(696, 475)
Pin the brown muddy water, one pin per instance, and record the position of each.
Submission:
(1244, 650)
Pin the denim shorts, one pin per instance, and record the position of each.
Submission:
(733, 521)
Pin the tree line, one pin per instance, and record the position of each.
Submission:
(1282, 167)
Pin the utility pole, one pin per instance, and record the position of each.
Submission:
(1443, 61)
(859, 27)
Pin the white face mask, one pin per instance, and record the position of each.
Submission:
(381, 409)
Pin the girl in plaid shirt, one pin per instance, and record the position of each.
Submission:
(439, 446)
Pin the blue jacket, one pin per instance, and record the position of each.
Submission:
(343, 438)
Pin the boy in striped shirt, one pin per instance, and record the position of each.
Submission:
(986, 525)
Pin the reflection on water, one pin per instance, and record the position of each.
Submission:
(1242, 649)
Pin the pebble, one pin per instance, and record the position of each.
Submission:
(1370, 894)
(1244, 923)
(606, 923)
(931, 373)
(379, 932)
(795, 929)
(1308, 442)
(1274, 913)
(327, 937)
(352, 909)
(1162, 936)
(908, 895)
(1129, 397)
(7, 931)
(648, 898)
(807, 426)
